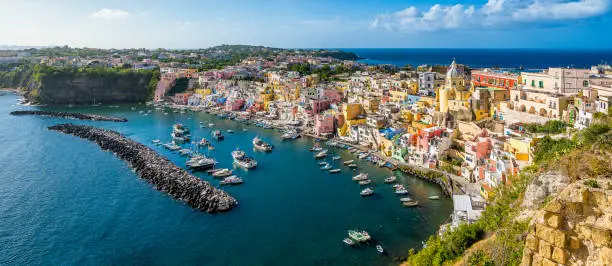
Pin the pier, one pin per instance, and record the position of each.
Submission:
(164, 175)
(72, 115)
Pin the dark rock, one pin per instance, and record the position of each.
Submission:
(164, 175)
(72, 115)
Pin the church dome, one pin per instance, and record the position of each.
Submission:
(452, 70)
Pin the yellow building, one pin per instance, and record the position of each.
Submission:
(267, 96)
(203, 92)
(371, 104)
(520, 147)
(454, 95)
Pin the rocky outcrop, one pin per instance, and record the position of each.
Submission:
(72, 115)
(160, 172)
(574, 228)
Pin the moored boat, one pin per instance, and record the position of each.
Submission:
(390, 179)
(231, 180)
(401, 192)
(367, 192)
(326, 167)
(291, 134)
(156, 141)
(246, 162)
(410, 203)
(434, 197)
(333, 171)
(216, 134)
(360, 177)
(348, 162)
(348, 241)
(238, 154)
(365, 182)
(320, 154)
(336, 158)
(222, 173)
(380, 249)
(260, 145)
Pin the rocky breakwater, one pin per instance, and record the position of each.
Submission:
(574, 228)
(163, 174)
(72, 115)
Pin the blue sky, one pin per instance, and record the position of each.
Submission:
(309, 23)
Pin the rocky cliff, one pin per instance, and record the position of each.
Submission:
(574, 228)
(87, 86)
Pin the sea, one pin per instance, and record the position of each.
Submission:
(485, 58)
(64, 201)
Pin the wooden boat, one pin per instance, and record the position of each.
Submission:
(410, 203)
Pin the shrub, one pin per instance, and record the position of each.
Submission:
(591, 183)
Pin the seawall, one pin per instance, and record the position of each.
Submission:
(72, 115)
(164, 175)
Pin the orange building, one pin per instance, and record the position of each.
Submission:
(492, 79)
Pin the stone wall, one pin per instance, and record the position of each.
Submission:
(574, 228)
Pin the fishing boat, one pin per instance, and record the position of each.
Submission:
(172, 146)
(200, 163)
(380, 249)
(260, 145)
(348, 241)
(365, 182)
(352, 165)
(406, 199)
(204, 142)
(410, 203)
(230, 131)
(316, 149)
(222, 173)
(360, 177)
(349, 162)
(323, 163)
(156, 141)
(367, 192)
(434, 197)
(398, 186)
(231, 180)
(333, 171)
(321, 154)
(335, 158)
(401, 192)
(291, 134)
(326, 167)
(390, 179)
(359, 236)
(246, 162)
(216, 134)
(238, 154)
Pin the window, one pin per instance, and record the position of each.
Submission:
(541, 84)
(532, 83)
(585, 83)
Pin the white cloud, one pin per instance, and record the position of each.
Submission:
(186, 24)
(107, 13)
(495, 13)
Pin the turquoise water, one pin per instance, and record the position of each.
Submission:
(64, 201)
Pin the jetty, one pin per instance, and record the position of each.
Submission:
(72, 115)
(164, 175)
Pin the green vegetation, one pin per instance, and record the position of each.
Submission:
(585, 155)
(325, 73)
(550, 127)
(591, 183)
(180, 86)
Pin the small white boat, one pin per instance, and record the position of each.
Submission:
(410, 203)
(348, 162)
(156, 141)
(406, 199)
(333, 171)
(232, 180)
(352, 165)
(321, 154)
(390, 179)
(348, 241)
(336, 158)
(434, 197)
(290, 135)
(222, 173)
(365, 182)
(367, 192)
(323, 163)
(401, 192)
(380, 249)
(360, 177)
(326, 167)
(211, 125)
(230, 131)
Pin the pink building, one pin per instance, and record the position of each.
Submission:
(324, 124)
(333, 95)
(426, 135)
(181, 98)
(316, 106)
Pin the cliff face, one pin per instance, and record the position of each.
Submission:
(574, 228)
(74, 88)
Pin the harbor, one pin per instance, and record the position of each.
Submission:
(287, 203)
